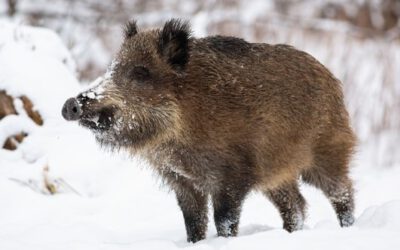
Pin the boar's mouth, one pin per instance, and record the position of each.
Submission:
(100, 120)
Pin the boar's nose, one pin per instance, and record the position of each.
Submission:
(71, 110)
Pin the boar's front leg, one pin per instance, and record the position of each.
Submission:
(193, 204)
(227, 204)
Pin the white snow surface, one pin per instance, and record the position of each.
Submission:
(112, 201)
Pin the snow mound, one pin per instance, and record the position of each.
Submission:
(385, 216)
(34, 62)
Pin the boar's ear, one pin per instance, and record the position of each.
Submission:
(130, 29)
(173, 44)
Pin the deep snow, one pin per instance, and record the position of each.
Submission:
(112, 201)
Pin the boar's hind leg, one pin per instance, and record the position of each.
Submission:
(330, 174)
(193, 204)
(227, 204)
(339, 192)
(291, 205)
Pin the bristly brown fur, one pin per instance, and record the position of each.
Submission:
(219, 117)
(130, 29)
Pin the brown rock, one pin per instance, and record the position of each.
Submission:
(7, 108)
(33, 114)
(6, 105)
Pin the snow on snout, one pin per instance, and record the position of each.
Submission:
(97, 88)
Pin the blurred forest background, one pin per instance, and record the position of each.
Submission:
(358, 40)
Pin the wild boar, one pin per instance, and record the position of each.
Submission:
(218, 117)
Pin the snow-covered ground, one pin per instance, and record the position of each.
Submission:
(112, 201)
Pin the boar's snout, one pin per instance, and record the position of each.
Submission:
(71, 110)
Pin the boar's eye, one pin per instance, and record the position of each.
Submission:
(139, 73)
